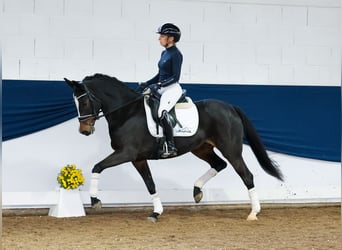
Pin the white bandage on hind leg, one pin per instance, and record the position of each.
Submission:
(205, 178)
(157, 206)
(94, 184)
(253, 196)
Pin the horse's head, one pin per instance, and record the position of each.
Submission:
(88, 107)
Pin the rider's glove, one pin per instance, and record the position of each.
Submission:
(142, 86)
(154, 87)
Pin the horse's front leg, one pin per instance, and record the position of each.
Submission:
(114, 159)
(144, 170)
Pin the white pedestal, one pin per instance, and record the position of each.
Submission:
(69, 204)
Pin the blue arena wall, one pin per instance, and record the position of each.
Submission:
(303, 121)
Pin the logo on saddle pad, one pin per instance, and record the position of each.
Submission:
(186, 123)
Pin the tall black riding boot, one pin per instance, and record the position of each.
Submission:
(170, 149)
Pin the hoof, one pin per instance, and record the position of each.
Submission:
(198, 194)
(95, 203)
(252, 216)
(153, 217)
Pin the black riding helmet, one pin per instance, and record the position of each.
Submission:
(170, 29)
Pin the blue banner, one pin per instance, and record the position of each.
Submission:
(296, 120)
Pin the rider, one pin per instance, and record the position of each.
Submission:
(166, 81)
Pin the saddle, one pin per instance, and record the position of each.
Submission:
(153, 103)
(184, 116)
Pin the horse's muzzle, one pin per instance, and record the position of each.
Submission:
(87, 127)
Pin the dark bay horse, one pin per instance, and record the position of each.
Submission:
(221, 125)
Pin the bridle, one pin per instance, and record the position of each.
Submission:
(92, 99)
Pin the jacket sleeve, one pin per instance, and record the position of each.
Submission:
(155, 79)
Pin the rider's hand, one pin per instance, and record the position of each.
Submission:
(154, 87)
(142, 86)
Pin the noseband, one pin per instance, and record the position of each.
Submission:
(94, 114)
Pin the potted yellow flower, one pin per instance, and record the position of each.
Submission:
(70, 177)
(69, 203)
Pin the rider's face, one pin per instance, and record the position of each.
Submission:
(165, 40)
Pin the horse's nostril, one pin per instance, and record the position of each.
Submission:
(85, 132)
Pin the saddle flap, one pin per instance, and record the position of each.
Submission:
(186, 114)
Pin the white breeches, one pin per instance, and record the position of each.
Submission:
(169, 97)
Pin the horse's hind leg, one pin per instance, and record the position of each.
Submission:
(247, 177)
(144, 171)
(206, 153)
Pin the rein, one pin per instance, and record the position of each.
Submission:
(93, 98)
(117, 108)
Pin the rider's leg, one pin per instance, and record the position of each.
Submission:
(169, 97)
(170, 149)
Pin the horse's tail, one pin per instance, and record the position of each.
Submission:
(258, 148)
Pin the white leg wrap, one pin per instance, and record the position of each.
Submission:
(205, 178)
(253, 196)
(94, 184)
(157, 206)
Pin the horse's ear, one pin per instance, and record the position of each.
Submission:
(72, 84)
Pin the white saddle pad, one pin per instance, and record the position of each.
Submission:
(187, 116)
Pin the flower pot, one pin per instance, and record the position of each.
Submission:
(69, 204)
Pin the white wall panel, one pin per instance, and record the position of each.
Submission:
(267, 15)
(78, 8)
(268, 54)
(203, 72)
(34, 69)
(330, 37)
(307, 74)
(233, 73)
(115, 29)
(78, 48)
(216, 12)
(294, 55)
(146, 31)
(324, 17)
(18, 46)
(192, 52)
(34, 25)
(12, 67)
(21, 7)
(146, 71)
(10, 25)
(255, 34)
(75, 69)
(241, 53)
(136, 10)
(49, 7)
(294, 16)
(107, 48)
(326, 73)
(137, 52)
(49, 47)
(108, 8)
(243, 14)
(323, 56)
(281, 74)
(215, 53)
(282, 36)
(76, 27)
(176, 11)
(213, 32)
(255, 73)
